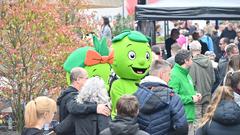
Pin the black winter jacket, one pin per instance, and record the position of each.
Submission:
(161, 110)
(91, 124)
(203, 46)
(63, 99)
(168, 43)
(226, 120)
(222, 69)
(67, 104)
(228, 34)
(123, 126)
(32, 131)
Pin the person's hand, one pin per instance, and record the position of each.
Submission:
(195, 98)
(199, 95)
(103, 109)
(53, 123)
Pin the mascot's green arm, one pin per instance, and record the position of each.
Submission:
(119, 88)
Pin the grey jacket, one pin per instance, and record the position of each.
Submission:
(237, 98)
(202, 73)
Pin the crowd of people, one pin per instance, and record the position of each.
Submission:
(195, 91)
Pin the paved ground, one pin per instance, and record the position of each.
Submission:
(8, 133)
(13, 133)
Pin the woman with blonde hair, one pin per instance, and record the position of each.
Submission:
(222, 115)
(234, 63)
(38, 112)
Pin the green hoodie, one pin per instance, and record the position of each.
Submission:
(182, 84)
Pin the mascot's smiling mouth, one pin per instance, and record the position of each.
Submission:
(139, 70)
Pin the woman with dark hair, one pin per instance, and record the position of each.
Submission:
(106, 30)
(222, 115)
(232, 80)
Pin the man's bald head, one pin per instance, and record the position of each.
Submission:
(78, 72)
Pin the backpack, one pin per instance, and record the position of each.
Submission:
(113, 77)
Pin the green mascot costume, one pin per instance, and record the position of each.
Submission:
(95, 60)
(132, 60)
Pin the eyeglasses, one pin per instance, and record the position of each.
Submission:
(85, 78)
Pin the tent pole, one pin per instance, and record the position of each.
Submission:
(165, 33)
(216, 25)
(154, 33)
(140, 23)
(168, 29)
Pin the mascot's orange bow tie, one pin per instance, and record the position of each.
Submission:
(94, 58)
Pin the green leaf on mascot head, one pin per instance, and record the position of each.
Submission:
(76, 58)
(96, 43)
(101, 46)
(132, 55)
(120, 37)
(101, 70)
(132, 35)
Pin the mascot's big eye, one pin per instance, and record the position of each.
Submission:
(147, 56)
(131, 55)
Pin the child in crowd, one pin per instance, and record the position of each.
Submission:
(125, 122)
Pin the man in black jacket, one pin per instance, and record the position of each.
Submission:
(229, 32)
(66, 101)
(78, 77)
(229, 51)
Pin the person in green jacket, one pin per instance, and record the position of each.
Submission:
(182, 84)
